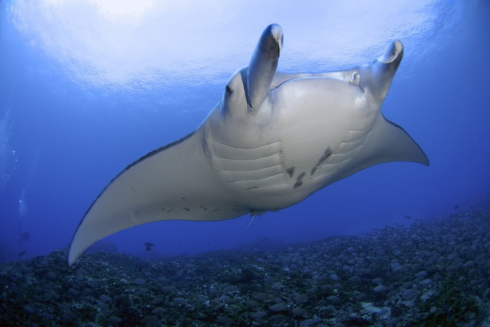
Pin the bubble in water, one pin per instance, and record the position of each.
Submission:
(23, 204)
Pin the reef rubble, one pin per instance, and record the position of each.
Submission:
(434, 273)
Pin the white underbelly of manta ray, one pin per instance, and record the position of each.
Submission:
(271, 141)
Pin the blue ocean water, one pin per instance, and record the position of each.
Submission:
(86, 88)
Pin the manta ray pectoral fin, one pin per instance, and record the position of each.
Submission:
(174, 182)
(388, 142)
(395, 144)
(263, 65)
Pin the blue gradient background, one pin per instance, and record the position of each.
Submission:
(87, 87)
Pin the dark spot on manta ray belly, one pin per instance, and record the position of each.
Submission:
(290, 171)
(186, 209)
(299, 180)
(325, 155)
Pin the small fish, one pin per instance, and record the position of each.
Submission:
(407, 217)
(21, 253)
(149, 246)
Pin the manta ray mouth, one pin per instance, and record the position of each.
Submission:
(393, 53)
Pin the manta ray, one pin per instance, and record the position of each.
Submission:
(272, 140)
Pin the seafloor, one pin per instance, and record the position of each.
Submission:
(429, 274)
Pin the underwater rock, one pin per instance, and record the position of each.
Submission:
(157, 300)
(355, 279)
(141, 291)
(333, 299)
(69, 316)
(159, 310)
(225, 321)
(380, 289)
(139, 281)
(114, 319)
(259, 315)
(87, 292)
(73, 292)
(308, 322)
(231, 289)
(279, 307)
(300, 298)
(278, 319)
(180, 300)
(277, 286)
(51, 275)
(52, 296)
(226, 299)
(410, 294)
(252, 303)
(46, 315)
(29, 310)
(169, 289)
(151, 321)
(299, 312)
(105, 298)
(102, 305)
(259, 296)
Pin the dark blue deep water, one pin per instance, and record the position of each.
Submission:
(88, 87)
